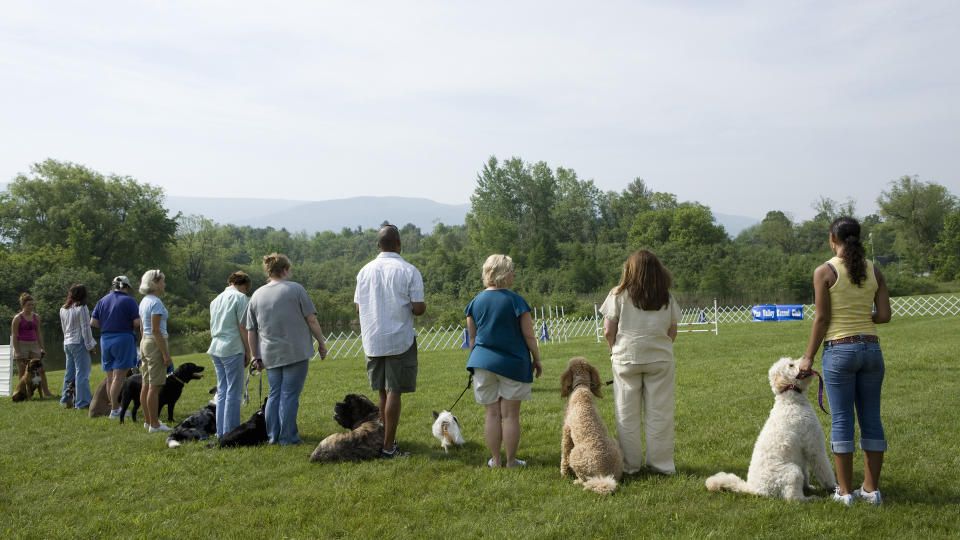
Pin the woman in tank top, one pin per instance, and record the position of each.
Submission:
(27, 340)
(851, 298)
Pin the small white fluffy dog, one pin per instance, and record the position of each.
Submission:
(446, 428)
(789, 443)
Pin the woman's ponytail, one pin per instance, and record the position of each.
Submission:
(846, 231)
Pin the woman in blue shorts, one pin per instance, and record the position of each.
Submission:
(117, 315)
(502, 343)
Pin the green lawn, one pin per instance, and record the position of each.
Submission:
(65, 475)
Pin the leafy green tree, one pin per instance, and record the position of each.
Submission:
(947, 249)
(576, 213)
(917, 211)
(109, 223)
(512, 209)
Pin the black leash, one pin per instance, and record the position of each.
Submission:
(469, 382)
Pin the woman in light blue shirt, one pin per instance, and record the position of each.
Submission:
(153, 348)
(229, 349)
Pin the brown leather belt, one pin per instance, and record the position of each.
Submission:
(852, 339)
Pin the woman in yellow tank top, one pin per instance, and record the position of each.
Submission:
(851, 297)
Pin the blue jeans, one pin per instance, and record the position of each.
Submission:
(229, 391)
(77, 371)
(853, 375)
(283, 402)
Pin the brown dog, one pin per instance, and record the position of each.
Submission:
(29, 381)
(586, 449)
(365, 438)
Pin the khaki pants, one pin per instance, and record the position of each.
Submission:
(644, 409)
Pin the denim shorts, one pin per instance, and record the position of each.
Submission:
(853, 376)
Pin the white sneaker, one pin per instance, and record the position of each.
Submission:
(146, 425)
(115, 413)
(161, 427)
(872, 497)
(845, 499)
(128, 414)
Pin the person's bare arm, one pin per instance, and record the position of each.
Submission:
(672, 332)
(14, 330)
(419, 308)
(526, 327)
(159, 338)
(40, 336)
(317, 332)
(823, 278)
(610, 328)
(881, 299)
(471, 331)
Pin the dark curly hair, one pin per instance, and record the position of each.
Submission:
(846, 232)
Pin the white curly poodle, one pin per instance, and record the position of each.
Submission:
(790, 442)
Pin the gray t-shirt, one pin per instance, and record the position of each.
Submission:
(277, 311)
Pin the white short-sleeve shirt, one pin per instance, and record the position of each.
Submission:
(641, 335)
(387, 287)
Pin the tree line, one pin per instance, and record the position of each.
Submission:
(63, 223)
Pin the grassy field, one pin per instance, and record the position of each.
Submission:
(65, 475)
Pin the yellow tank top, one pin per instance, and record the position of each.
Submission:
(851, 307)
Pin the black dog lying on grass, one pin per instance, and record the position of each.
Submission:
(169, 395)
(199, 426)
(250, 433)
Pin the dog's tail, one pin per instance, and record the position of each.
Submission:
(604, 485)
(729, 481)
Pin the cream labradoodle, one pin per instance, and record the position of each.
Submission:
(790, 442)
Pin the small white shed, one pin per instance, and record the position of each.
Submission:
(7, 367)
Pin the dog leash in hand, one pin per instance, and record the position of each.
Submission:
(820, 392)
(246, 395)
(469, 382)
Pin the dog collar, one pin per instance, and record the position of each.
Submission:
(177, 379)
(793, 387)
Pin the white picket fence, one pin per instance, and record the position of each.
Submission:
(559, 329)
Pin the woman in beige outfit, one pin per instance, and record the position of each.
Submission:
(640, 324)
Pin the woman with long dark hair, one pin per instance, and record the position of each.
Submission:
(640, 319)
(851, 298)
(77, 343)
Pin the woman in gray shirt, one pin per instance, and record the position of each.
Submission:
(280, 320)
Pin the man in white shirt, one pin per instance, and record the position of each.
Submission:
(389, 293)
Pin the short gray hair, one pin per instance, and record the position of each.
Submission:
(496, 269)
(148, 283)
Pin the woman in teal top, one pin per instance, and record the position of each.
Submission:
(502, 343)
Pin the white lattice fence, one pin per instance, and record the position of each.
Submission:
(552, 330)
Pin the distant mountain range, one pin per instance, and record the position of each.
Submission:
(363, 212)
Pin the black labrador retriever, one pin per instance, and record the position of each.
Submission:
(169, 395)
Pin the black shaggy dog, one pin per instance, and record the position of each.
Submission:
(169, 395)
(250, 433)
(365, 438)
(198, 426)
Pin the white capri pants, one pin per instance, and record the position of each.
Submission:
(643, 395)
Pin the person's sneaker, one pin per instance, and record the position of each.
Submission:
(115, 413)
(872, 497)
(161, 427)
(128, 414)
(394, 453)
(146, 425)
(845, 499)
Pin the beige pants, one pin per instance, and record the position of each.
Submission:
(644, 409)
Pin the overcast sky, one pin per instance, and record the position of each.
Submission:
(743, 106)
